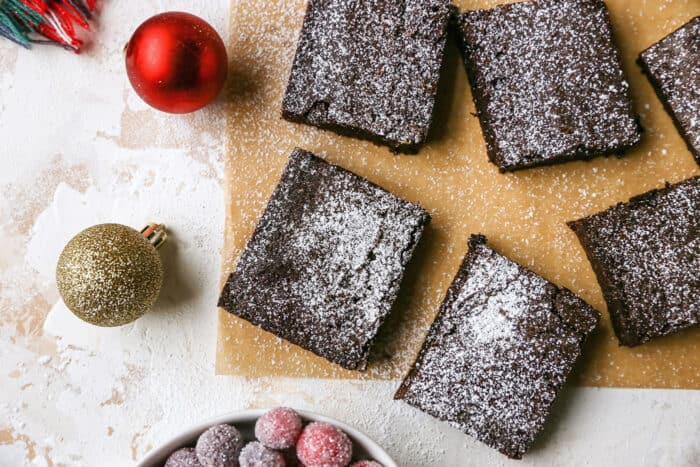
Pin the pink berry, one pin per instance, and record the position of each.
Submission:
(367, 464)
(256, 455)
(279, 428)
(323, 445)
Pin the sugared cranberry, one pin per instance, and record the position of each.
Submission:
(256, 455)
(184, 457)
(219, 446)
(367, 464)
(279, 428)
(324, 445)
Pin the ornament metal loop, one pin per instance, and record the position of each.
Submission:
(155, 234)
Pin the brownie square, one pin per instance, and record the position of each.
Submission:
(369, 68)
(325, 262)
(646, 255)
(499, 351)
(547, 82)
(673, 67)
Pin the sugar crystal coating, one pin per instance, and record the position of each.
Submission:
(279, 428)
(185, 457)
(219, 446)
(256, 455)
(324, 445)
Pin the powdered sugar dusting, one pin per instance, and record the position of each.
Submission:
(647, 256)
(524, 214)
(672, 64)
(369, 66)
(548, 82)
(498, 353)
(325, 263)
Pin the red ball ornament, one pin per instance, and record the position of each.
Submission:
(176, 62)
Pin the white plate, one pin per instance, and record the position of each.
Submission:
(364, 448)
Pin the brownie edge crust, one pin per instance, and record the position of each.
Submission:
(501, 348)
(325, 262)
(369, 69)
(646, 256)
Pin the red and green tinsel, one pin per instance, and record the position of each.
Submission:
(45, 21)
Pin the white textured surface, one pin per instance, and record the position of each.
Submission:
(77, 147)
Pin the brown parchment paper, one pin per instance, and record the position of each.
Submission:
(523, 214)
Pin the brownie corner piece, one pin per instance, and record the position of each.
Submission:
(646, 256)
(547, 82)
(503, 344)
(672, 68)
(369, 69)
(325, 262)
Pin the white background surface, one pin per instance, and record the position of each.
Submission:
(77, 147)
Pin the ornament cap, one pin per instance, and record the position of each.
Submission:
(155, 234)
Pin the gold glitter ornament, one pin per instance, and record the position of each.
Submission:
(110, 274)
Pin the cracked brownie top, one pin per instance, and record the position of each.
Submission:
(325, 262)
(369, 68)
(499, 351)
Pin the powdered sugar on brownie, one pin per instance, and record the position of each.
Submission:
(547, 82)
(369, 67)
(498, 353)
(673, 64)
(324, 265)
(646, 254)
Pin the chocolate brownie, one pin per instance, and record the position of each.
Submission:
(325, 262)
(547, 82)
(369, 68)
(673, 67)
(499, 351)
(646, 255)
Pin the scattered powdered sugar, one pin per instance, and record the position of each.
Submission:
(453, 180)
(548, 82)
(672, 65)
(324, 265)
(647, 256)
(500, 350)
(369, 66)
(489, 326)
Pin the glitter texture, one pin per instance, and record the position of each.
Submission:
(109, 275)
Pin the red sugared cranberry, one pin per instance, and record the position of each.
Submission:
(323, 445)
(367, 464)
(279, 428)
